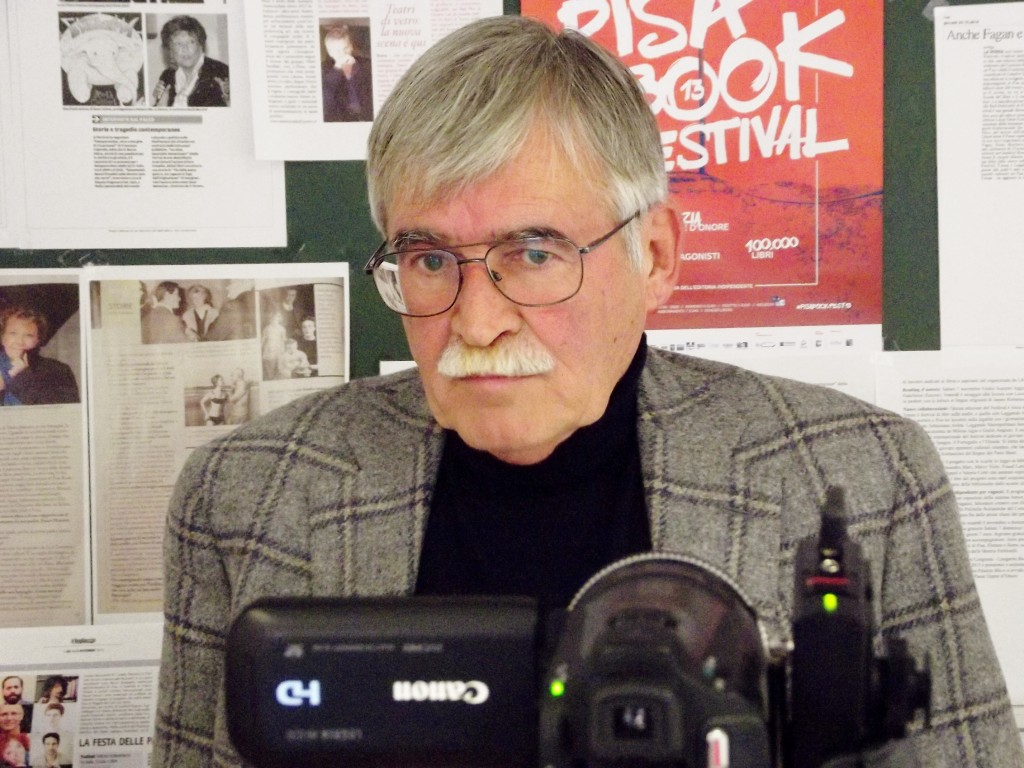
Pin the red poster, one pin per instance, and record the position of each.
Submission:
(771, 123)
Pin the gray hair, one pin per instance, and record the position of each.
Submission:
(468, 104)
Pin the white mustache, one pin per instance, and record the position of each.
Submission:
(513, 356)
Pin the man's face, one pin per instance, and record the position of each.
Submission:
(308, 330)
(339, 49)
(52, 747)
(12, 690)
(172, 300)
(592, 336)
(10, 717)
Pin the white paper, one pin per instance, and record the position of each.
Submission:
(127, 174)
(780, 341)
(44, 514)
(979, 68)
(163, 384)
(288, 58)
(970, 403)
(104, 679)
(10, 158)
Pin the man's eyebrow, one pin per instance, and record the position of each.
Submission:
(419, 238)
(539, 231)
(410, 238)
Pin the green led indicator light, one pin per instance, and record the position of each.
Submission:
(557, 688)
(829, 602)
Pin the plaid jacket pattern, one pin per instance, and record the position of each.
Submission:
(329, 495)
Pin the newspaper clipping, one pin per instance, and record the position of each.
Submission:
(133, 124)
(42, 419)
(322, 68)
(179, 356)
(79, 697)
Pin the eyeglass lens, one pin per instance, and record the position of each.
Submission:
(535, 271)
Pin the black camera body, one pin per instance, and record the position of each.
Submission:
(844, 699)
(385, 681)
(662, 662)
(659, 662)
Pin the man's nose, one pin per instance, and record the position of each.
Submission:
(482, 313)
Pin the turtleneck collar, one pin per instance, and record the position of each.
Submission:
(582, 454)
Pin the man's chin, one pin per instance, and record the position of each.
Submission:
(513, 442)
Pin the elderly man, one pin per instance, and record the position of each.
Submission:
(517, 178)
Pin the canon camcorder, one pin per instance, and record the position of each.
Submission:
(659, 661)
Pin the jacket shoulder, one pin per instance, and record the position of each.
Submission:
(348, 414)
(674, 381)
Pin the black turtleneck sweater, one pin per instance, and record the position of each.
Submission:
(543, 529)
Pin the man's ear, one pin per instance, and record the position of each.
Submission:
(662, 238)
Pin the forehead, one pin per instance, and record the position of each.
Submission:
(539, 187)
(20, 324)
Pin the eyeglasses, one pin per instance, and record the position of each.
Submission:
(529, 271)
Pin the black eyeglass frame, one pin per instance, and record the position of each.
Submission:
(379, 255)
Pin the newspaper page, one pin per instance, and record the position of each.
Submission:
(10, 159)
(43, 517)
(135, 127)
(86, 695)
(177, 357)
(771, 127)
(979, 106)
(969, 401)
(322, 68)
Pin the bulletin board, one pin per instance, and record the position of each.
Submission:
(328, 216)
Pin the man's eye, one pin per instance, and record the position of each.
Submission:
(429, 261)
(433, 262)
(536, 257)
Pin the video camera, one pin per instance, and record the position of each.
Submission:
(659, 662)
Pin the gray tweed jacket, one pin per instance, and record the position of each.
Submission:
(329, 496)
